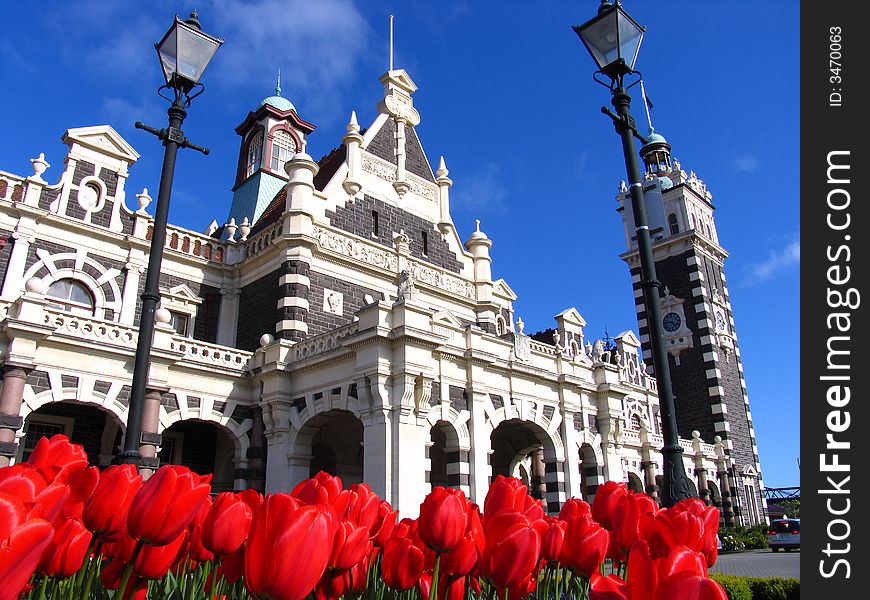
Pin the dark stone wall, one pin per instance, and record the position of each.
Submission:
(383, 145)
(258, 310)
(320, 321)
(356, 218)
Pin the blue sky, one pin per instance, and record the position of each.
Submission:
(506, 95)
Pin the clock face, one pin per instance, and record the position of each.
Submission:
(671, 321)
(720, 321)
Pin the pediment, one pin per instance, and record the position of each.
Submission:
(503, 290)
(445, 317)
(628, 337)
(400, 78)
(571, 316)
(182, 293)
(103, 139)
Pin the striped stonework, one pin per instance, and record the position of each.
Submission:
(293, 305)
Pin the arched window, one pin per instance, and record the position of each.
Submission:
(70, 296)
(672, 223)
(255, 155)
(283, 148)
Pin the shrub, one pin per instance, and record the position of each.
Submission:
(755, 538)
(736, 587)
(774, 588)
(758, 588)
(731, 542)
(738, 538)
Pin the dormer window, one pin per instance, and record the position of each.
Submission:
(255, 155)
(283, 149)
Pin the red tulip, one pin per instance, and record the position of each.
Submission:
(513, 547)
(227, 524)
(105, 511)
(350, 545)
(82, 484)
(358, 505)
(608, 588)
(384, 524)
(166, 504)
(627, 512)
(505, 493)
(453, 589)
(574, 507)
(22, 544)
(690, 587)
(464, 557)
(606, 498)
(443, 518)
(154, 562)
(56, 456)
(197, 550)
(110, 577)
(288, 548)
(323, 488)
(689, 523)
(401, 564)
(23, 481)
(585, 545)
(553, 539)
(66, 553)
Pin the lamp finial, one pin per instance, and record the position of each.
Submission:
(193, 20)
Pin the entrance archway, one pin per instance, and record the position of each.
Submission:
(337, 445)
(98, 431)
(518, 450)
(203, 448)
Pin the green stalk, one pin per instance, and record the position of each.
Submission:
(42, 588)
(433, 591)
(129, 569)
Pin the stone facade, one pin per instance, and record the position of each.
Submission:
(307, 336)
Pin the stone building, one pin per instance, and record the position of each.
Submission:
(335, 321)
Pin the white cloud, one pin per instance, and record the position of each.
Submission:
(776, 262)
(315, 44)
(481, 193)
(747, 163)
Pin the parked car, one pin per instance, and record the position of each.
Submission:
(784, 533)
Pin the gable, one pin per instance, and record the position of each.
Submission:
(102, 139)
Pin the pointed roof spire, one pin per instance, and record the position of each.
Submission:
(278, 101)
(442, 169)
(278, 84)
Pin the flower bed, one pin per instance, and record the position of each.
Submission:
(69, 531)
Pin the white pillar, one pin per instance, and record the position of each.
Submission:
(229, 314)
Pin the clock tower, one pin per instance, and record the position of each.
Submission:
(706, 369)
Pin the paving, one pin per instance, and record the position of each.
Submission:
(760, 563)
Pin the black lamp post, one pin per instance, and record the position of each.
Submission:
(613, 39)
(184, 52)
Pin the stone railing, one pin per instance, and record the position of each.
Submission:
(210, 354)
(323, 342)
(96, 330)
(191, 243)
(263, 239)
(11, 187)
(542, 347)
(632, 371)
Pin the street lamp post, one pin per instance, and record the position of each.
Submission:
(613, 39)
(184, 52)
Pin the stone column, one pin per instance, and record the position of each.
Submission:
(229, 314)
(257, 452)
(14, 379)
(481, 446)
(537, 485)
(649, 476)
(13, 281)
(150, 439)
(727, 506)
(703, 490)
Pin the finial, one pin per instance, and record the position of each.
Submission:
(278, 84)
(391, 42)
(353, 125)
(605, 4)
(477, 224)
(442, 168)
(193, 20)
